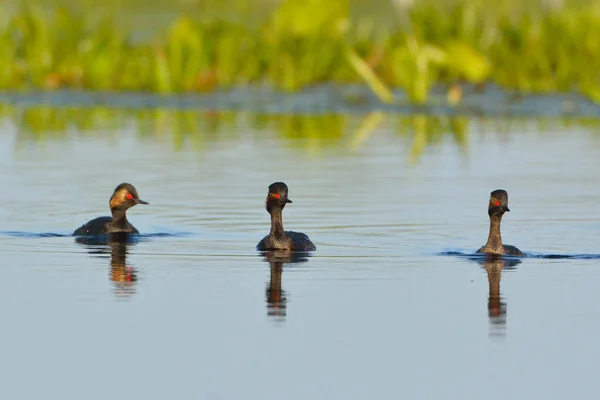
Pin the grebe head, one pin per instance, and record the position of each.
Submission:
(277, 196)
(125, 196)
(498, 203)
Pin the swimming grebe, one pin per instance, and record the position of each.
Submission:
(496, 209)
(278, 239)
(125, 196)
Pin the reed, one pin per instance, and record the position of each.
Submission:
(533, 48)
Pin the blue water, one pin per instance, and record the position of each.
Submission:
(393, 304)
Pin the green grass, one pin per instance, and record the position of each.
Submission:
(290, 45)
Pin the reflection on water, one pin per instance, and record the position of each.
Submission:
(276, 296)
(196, 129)
(123, 276)
(494, 265)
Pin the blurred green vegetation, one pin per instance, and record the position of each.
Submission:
(199, 46)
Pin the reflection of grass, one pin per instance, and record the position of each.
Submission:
(307, 133)
(528, 47)
(193, 129)
(426, 131)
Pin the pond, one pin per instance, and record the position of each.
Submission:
(388, 306)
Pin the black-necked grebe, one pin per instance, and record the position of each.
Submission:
(496, 209)
(124, 197)
(278, 239)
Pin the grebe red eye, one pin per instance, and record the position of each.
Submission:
(496, 203)
(277, 196)
(129, 196)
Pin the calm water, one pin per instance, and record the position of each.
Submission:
(192, 311)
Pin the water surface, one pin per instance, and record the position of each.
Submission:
(191, 310)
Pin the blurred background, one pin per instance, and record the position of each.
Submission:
(391, 121)
(203, 45)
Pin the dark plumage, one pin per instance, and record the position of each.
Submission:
(497, 207)
(278, 239)
(124, 197)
